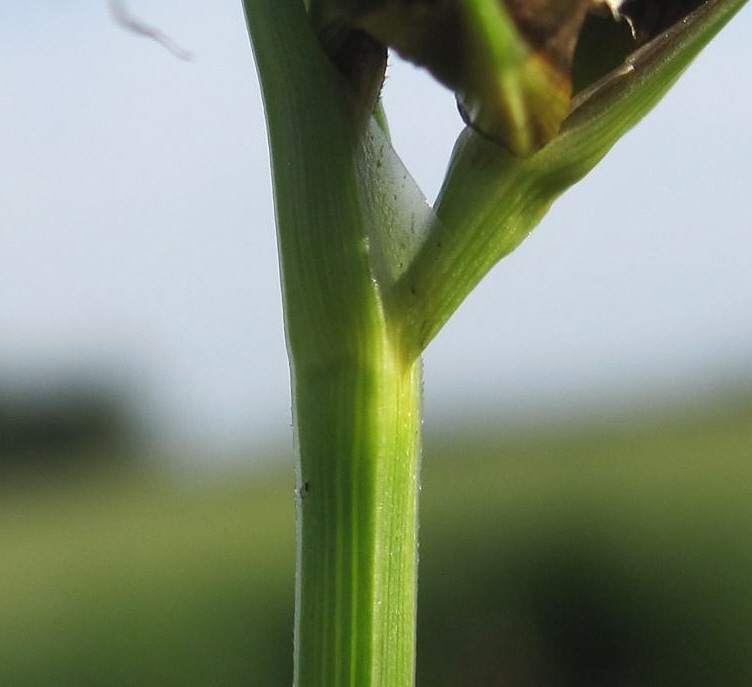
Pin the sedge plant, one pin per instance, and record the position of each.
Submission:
(371, 271)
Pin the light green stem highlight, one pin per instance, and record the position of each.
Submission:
(358, 429)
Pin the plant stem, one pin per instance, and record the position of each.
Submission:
(355, 391)
(357, 514)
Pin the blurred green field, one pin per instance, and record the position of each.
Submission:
(603, 556)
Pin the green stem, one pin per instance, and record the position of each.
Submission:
(357, 515)
(356, 393)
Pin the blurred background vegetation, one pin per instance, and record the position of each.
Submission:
(607, 553)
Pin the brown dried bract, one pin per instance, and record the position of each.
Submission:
(550, 27)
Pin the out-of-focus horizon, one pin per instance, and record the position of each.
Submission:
(137, 240)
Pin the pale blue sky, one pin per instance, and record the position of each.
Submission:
(136, 234)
